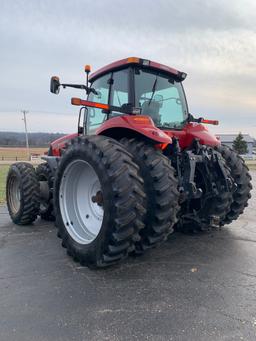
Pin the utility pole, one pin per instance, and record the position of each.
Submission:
(26, 130)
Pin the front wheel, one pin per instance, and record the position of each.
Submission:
(22, 193)
(99, 201)
(46, 178)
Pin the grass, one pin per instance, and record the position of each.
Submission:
(3, 174)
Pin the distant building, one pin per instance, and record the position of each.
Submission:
(228, 139)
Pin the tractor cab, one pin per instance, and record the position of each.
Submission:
(135, 96)
(153, 91)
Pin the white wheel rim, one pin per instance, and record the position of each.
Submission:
(81, 202)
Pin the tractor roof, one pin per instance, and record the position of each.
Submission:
(180, 76)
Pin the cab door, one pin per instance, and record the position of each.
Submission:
(95, 117)
(112, 89)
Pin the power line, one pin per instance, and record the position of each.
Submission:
(25, 112)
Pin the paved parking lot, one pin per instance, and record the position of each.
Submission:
(199, 287)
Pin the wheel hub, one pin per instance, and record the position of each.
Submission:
(98, 198)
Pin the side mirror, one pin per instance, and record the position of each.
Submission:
(55, 85)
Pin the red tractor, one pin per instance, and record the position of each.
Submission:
(139, 167)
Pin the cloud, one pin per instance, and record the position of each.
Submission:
(214, 41)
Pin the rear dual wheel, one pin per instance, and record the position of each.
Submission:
(99, 201)
(161, 189)
(242, 178)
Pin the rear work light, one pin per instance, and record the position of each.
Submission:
(180, 76)
(137, 60)
(214, 122)
(133, 60)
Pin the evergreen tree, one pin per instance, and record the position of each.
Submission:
(240, 145)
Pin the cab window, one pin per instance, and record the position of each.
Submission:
(95, 116)
(161, 98)
(119, 89)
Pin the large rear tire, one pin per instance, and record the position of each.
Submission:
(22, 193)
(46, 180)
(241, 176)
(160, 186)
(98, 198)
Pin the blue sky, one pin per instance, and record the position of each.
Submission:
(213, 41)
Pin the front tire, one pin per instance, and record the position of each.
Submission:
(99, 201)
(46, 179)
(22, 193)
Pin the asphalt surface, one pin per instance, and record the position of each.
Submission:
(199, 287)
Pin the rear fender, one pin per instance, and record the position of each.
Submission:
(192, 131)
(133, 125)
(60, 143)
